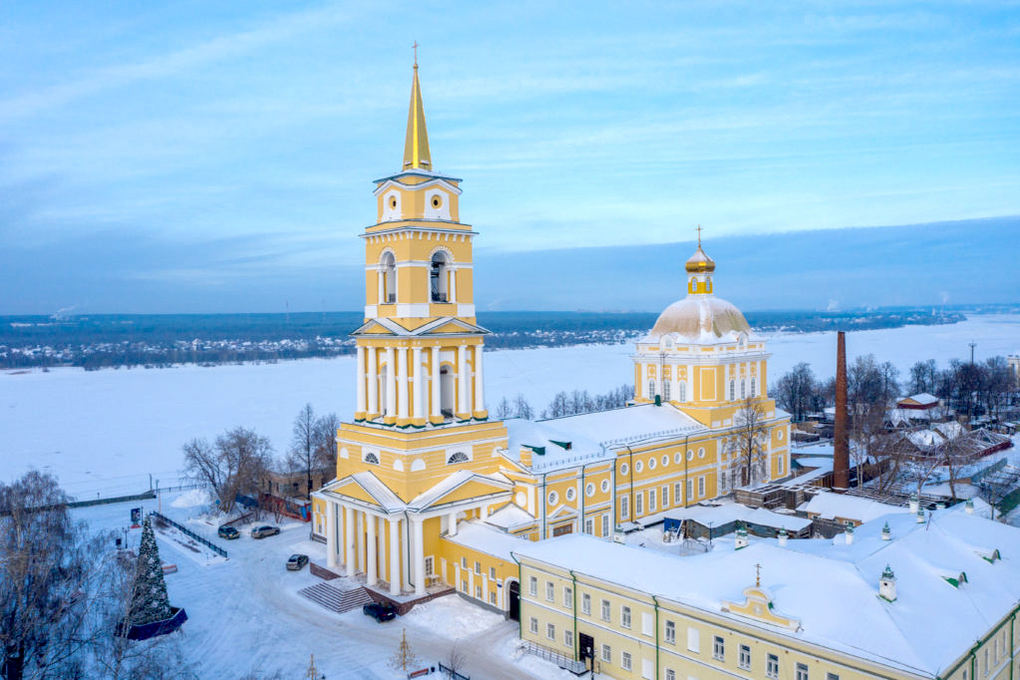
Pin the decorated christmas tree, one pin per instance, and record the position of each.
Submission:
(403, 659)
(149, 601)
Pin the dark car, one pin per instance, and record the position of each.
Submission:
(380, 611)
(296, 562)
(229, 533)
(264, 530)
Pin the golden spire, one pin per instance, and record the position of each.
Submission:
(416, 145)
(699, 262)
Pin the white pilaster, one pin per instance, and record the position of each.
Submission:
(373, 382)
(330, 534)
(419, 557)
(453, 285)
(419, 407)
(479, 382)
(402, 383)
(370, 572)
(394, 556)
(360, 408)
(452, 524)
(463, 406)
(436, 398)
(380, 278)
(391, 383)
(359, 526)
(350, 531)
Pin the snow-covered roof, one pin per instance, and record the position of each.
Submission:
(734, 512)
(509, 517)
(922, 398)
(574, 440)
(458, 478)
(485, 539)
(832, 588)
(700, 319)
(831, 505)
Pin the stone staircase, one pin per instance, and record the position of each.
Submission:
(336, 599)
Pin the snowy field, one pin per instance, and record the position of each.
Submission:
(105, 432)
(244, 613)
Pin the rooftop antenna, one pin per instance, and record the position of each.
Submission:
(972, 346)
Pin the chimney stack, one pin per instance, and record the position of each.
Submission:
(887, 585)
(841, 451)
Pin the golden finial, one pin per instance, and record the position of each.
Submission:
(415, 48)
(757, 577)
(699, 235)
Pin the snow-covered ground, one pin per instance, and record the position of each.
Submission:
(244, 613)
(105, 432)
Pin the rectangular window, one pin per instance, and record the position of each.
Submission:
(671, 632)
(745, 658)
(719, 648)
(831, 676)
(464, 587)
(772, 666)
(492, 573)
(690, 490)
(665, 497)
(550, 631)
(625, 661)
(605, 611)
(586, 604)
(651, 500)
(478, 568)
(638, 503)
(492, 598)
(677, 497)
(568, 596)
(428, 566)
(625, 617)
(624, 507)
(463, 563)
(533, 586)
(607, 653)
(670, 674)
(802, 671)
(568, 638)
(701, 487)
(550, 591)
(533, 625)
(605, 525)
(589, 526)
(693, 640)
(779, 465)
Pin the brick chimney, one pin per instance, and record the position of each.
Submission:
(841, 451)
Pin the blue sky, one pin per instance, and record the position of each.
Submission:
(219, 157)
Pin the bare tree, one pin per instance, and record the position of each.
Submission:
(455, 660)
(924, 377)
(522, 409)
(796, 391)
(325, 441)
(301, 454)
(747, 444)
(235, 465)
(503, 409)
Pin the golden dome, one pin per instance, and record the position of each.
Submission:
(701, 318)
(700, 263)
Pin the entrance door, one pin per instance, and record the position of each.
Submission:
(515, 601)
(586, 648)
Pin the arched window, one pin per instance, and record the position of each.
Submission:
(694, 285)
(389, 278)
(682, 391)
(371, 458)
(752, 387)
(651, 389)
(446, 391)
(733, 390)
(743, 389)
(457, 458)
(665, 390)
(438, 277)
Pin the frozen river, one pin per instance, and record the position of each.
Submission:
(104, 432)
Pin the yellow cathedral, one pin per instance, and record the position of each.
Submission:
(431, 494)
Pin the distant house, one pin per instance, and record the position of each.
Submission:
(919, 402)
(284, 491)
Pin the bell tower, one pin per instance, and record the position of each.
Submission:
(420, 349)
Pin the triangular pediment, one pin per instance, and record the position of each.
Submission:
(461, 486)
(364, 487)
(562, 512)
(381, 326)
(449, 325)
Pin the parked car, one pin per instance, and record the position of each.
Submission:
(229, 533)
(264, 530)
(296, 562)
(380, 611)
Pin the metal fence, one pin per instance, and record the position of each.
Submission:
(190, 534)
(451, 673)
(565, 662)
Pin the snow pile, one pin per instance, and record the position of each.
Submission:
(192, 499)
(452, 617)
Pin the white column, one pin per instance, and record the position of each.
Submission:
(479, 384)
(330, 534)
(462, 375)
(394, 556)
(484, 512)
(370, 547)
(373, 382)
(402, 383)
(419, 407)
(436, 398)
(391, 384)
(452, 522)
(350, 531)
(453, 285)
(419, 557)
(360, 408)
(380, 279)
(359, 526)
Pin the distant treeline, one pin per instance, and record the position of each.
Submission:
(99, 341)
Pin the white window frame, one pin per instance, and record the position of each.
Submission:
(701, 487)
(550, 591)
(429, 565)
(586, 604)
(670, 632)
(719, 648)
(625, 616)
(589, 526)
(802, 671)
(651, 501)
(568, 638)
(694, 640)
(626, 662)
(606, 523)
(772, 666)
(533, 625)
(665, 496)
(744, 657)
(606, 611)
(533, 586)
(678, 495)
(624, 507)
(550, 631)
(638, 504)
(568, 596)
(607, 653)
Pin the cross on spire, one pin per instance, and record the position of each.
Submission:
(757, 578)
(699, 235)
(415, 48)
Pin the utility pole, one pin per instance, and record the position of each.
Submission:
(972, 346)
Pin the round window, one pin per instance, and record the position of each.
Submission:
(570, 494)
(677, 457)
(665, 460)
(690, 455)
(393, 201)
(553, 497)
(638, 467)
(605, 485)
(436, 201)
(624, 469)
(701, 452)
(779, 435)
(521, 499)
(651, 463)
(589, 490)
